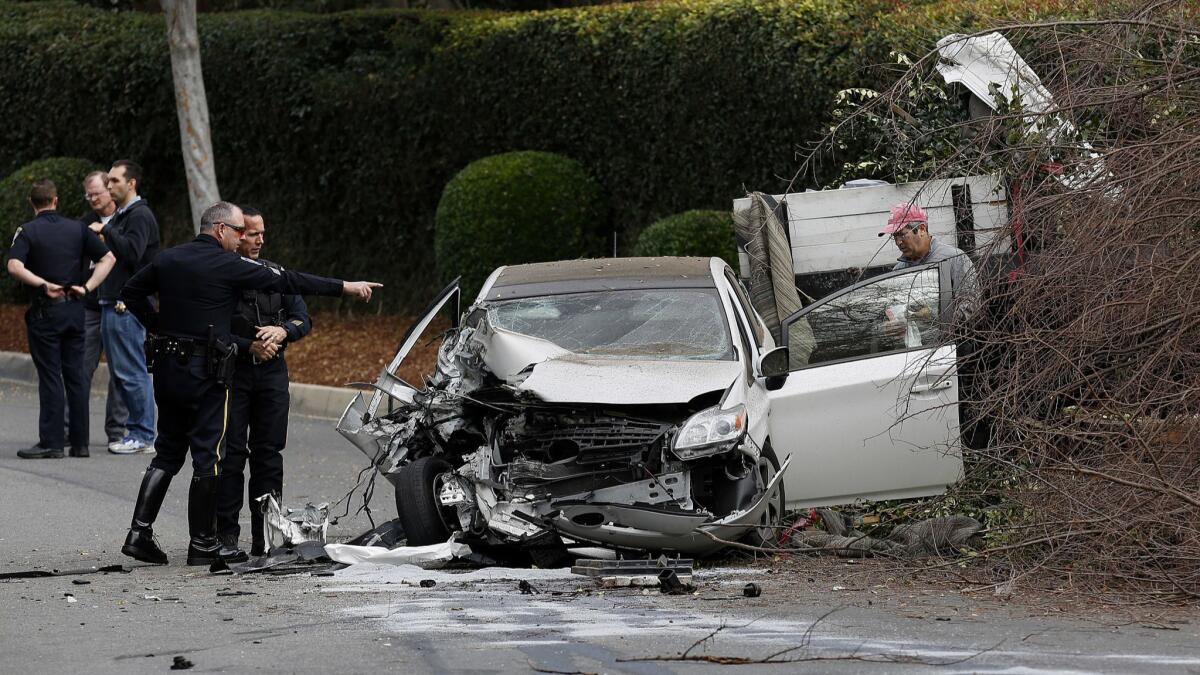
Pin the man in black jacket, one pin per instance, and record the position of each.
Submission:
(132, 236)
(199, 285)
(264, 325)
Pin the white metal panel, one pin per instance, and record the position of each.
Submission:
(834, 230)
(884, 427)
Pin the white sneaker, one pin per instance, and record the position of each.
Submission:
(130, 446)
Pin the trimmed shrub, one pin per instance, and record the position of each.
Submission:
(67, 174)
(697, 232)
(519, 207)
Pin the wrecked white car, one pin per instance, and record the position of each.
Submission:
(629, 403)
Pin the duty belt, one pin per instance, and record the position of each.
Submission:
(173, 346)
(41, 300)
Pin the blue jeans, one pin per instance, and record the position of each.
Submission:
(123, 336)
(115, 413)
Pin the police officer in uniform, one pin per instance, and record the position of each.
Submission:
(48, 254)
(199, 285)
(264, 325)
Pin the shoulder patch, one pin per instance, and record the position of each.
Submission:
(252, 261)
(297, 323)
(15, 235)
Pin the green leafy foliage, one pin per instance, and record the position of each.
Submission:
(518, 207)
(344, 128)
(691, 233)
(67, 174)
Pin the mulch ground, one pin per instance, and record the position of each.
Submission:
(340, 349)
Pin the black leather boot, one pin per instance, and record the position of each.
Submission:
(229, 551)
(204, 548)
(139, 543)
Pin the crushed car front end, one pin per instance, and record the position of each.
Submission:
(597, 401)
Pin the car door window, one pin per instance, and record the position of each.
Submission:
(894, 313)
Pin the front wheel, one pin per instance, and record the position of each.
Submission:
(417, 503)
(766, 534)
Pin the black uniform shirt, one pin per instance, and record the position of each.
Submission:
(267, 308)
(54, 248)
(199, 284)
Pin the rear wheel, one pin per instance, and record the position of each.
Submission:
(767, 532)
(417, 505)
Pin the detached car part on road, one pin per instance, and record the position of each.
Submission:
(628, 403)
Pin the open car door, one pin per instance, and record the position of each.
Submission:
(355, 424)
(874, 412)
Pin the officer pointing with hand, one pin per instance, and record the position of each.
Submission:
(199, 285)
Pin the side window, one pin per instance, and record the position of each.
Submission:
(747, 308)
(889, 315)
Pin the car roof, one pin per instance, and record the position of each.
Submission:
(577, 276)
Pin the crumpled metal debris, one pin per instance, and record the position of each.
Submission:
(293, 526)
(305, 557)
(935, 536)
(647, 572)
(669, 583)
(388, 535)
(35, 574)
(432, 556)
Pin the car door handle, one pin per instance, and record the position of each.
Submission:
(940, 384)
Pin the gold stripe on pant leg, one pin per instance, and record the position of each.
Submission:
(224, 426)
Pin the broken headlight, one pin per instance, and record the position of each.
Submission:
(709, 432)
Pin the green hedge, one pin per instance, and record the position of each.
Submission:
(344, 128)
(514, 208)
(697, 232)
(67, 174)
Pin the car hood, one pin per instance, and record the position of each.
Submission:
(574, 378)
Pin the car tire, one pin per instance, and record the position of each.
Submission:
(767, 534)
(417, 502)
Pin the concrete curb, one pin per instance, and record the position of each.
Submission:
(314, 400)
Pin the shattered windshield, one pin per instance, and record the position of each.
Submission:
(677, 323)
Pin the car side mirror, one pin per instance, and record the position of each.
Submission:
(773, 367)
(774, 362)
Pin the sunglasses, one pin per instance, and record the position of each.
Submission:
(905, 230)
(236, 228)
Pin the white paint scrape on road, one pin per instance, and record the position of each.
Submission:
(563, 606)
(486, 607)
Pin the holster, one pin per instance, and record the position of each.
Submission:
(222, 360)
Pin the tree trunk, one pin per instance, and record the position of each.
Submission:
(191, 106)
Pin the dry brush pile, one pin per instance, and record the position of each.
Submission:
(1086, 354)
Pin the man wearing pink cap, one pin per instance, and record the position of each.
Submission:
(909, 229)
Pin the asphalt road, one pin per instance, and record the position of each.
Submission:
(72, 513)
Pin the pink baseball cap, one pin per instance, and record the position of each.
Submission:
(903, 214)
